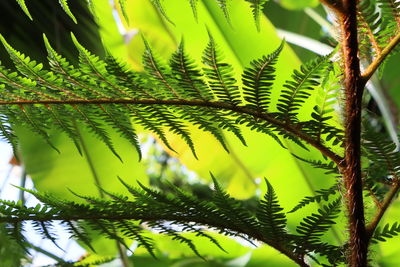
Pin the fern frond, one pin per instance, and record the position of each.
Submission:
(370, 22)
(388, 231)
(272, 219)
(193, 5)
(24, 8)
(319, 195)
(258, 80)
(192, 115)
(7, 134)
(382, 153)
(122, 5)
(65, 6)
(175, 213)
(231, 209)
(219, 74)
(297, 89)
(223, 4)
(323, 111)
(314, 226)
(257, 8)
(188, 76)
(163, 99)
(158, 4)
(390, 10)
(329, 167)
(158, 72)
(175, 235)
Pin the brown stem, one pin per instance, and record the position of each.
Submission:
(379, 60)
(358, 248)
(381, 210)
(290, 128)
(335, 5)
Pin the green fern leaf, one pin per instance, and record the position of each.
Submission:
(271, 218)
(188, 77)
(370, 22)
(223, 4)
(7, 134)
(193, 4)
(388, 231)
(219, 74)
(23, 6)
(159, 72)
(319, 195)
(64, 5)
(326, 98)
(382, 153)
(232, 210)
(390, 10)
(158, 4)
(194, 116)
(297, 89)
(314, 226)
(257, 8)
(122, 4)
(258, 80)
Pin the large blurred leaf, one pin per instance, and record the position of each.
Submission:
(240, 44)
(298, 4)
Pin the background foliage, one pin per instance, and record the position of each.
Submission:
(240, 171)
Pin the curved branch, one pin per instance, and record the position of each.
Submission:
(379, 60)
(371, 227)
(199, 103)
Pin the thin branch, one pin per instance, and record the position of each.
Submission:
(378, 60)
(293, 129)
(382, 209)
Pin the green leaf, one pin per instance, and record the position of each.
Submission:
(64, 5)
(258, 80)
(299, 4)
(23, 6)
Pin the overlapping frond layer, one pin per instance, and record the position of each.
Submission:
(319, 196)
(313, 227)
(297, 90)
(383, 155)
(258, 80)
(379, 23)
(388, 231)
(167, 97)
(171, 214)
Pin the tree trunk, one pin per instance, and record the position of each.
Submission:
(358, 248)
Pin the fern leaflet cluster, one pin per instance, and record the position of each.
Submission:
(168, 97)
(173, 214)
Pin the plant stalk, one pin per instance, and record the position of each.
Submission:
(354, 86)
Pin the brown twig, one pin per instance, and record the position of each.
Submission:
(378, 60)
(335, 5)
(382, 209)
